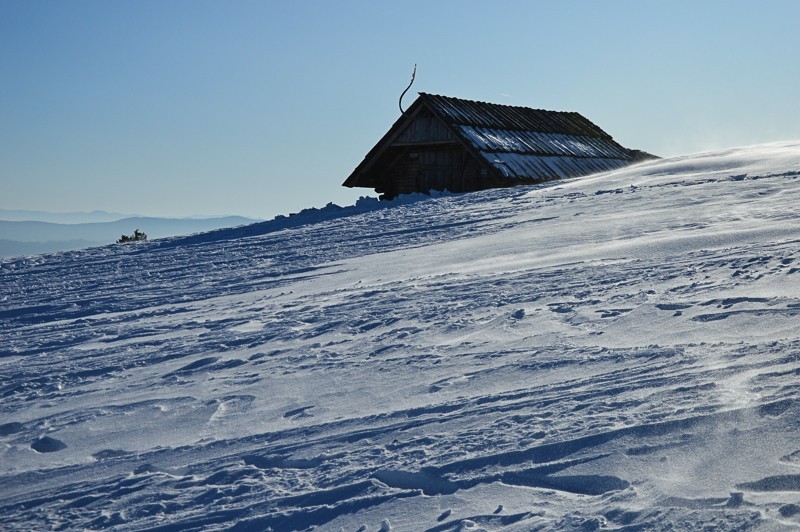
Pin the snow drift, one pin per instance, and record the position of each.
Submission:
(620, 351)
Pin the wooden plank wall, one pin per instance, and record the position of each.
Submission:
(424, 130)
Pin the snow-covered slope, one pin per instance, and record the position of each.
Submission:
(620, 351)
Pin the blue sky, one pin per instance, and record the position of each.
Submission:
(262, 108)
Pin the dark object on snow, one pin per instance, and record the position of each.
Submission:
(47, 444)
(135, 237)
(444, 143)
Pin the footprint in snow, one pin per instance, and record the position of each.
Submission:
(109, 453)
(449, 382)
(612, 313)
(46, 444)
(298, 413)
(230, 405)
(789, 510)
(773, 483)
(774, 409)
(792, 459)
(10, 428)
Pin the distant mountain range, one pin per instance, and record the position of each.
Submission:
(34, 236)
(16, 215)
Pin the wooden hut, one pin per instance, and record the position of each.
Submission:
(444, 143)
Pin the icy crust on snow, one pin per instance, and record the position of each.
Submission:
(613, 352)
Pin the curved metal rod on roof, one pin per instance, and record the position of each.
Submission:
(400, 103)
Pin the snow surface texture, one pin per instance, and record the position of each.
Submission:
(614, 352)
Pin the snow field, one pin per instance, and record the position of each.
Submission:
(613, 352)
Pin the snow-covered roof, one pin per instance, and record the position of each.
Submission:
(524, 143)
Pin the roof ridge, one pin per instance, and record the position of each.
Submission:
(460, 112)
(481, 102)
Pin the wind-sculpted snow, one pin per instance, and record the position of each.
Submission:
(620, 351)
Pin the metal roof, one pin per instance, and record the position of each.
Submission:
(533, 142)
(492, 115)
(526, 144)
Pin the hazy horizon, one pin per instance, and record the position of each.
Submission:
(18, 215)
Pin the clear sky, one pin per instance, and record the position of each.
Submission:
(260, 108)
